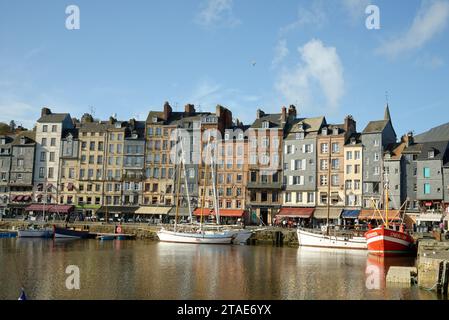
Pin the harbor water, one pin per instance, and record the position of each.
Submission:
(151, 270)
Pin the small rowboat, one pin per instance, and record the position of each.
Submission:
(105, 238)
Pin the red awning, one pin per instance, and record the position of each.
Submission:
(223, 212)
(304, 213)
(19, 198)
(61, 208)
(37, 207)
(13, 198)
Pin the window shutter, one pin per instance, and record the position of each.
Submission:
(293, 167)
(311, 148)
(304, 164)
(290, 180)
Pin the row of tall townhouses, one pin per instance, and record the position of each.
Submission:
(282, 165)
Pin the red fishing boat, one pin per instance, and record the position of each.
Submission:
(385, 240)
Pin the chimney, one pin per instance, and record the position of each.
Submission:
(259, 114)
(87, 118)
(45, 111)
(283, 114)
(408, 139)
(292, 112)
(350, 125)
(189, 109)
(167, 111)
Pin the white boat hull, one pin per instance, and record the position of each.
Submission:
(34, 233)
(198, 238)
(240, 236)
(310, 239)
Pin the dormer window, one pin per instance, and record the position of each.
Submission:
(431, 154)
(118, 125)
(22, 140)
(3, 140)
(300, 136)
(335, 131)
(226, 136)
(265, 125)
(353, 141)
(154, 119)
(324, 132)
(240, 136)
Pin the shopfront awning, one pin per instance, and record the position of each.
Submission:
(322, 212)
(304, 213)
(182, 211)
(61, 208)
(371, 214)
(223, 212)
(117, 210)
(350, 214)
(38, 207)
(153, 210)
(429, 217)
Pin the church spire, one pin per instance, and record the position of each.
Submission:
(387, 113)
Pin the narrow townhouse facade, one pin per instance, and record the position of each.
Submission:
(22, 171)
(5, 169)
(331, 167)
(49, 129)
(394, 170)
(410, 153)
(92, 136)
(133, 163)
(353, 172)
(212, 133)
(69, 163)
(265, 178)
(300, 168)
(430, 184)
(376, 136)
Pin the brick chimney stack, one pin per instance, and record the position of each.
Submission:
(189, 109)
(292, 112)
(259, 114)
(45, 111)
(350, 126)
(167, 111)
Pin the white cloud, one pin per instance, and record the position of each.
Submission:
(430, 20)
(21, 112)
(315, 15)
(319, 65)
(355, 8)
(216, 13)
(280, 52)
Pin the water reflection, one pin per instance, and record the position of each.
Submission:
(151, 270)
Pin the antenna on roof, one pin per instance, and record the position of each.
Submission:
(386, 97)
(92, 110)
(176, 106)
(199, 108)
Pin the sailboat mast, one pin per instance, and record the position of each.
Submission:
(177, 195)
(217, 214)
(204, 188)
(186, 183)
(329, 184)
(386, 200)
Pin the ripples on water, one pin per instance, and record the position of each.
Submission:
(152, 270)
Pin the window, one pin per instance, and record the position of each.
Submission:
(357, 169)
(92, 146)
(348, 184)
(52, 157)
(41, 172)
(288, 197)
(357, 155)
(376, 171)
(264, 197)
(299, 136)
(335, 180)
(323, 164)
(44, 142)
(348, 155)
(323, 180)
(43, 156)
(335, 147)
(335, 164)
(349, 169)
(51, 172)
(265, 125)
(356, 184)
(54, 128)
(324, 148)
(376, 143)
(323, 198)
(44, 128)
(426, 172)
(310, 197)
(53, 142)
(376, 156)
(298, 197)
(427, 188)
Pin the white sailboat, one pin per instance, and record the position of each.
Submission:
(327, 238)
(192, 234)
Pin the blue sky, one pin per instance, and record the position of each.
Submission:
(130, 56)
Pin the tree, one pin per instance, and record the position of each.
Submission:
(4, 128)
(12, 125)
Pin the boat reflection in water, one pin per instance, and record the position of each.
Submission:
(377, 268)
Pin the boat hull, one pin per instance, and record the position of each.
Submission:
(35, 233)
(310, 239)
(62, 233)
(196, 238)
(240, 236)
(386, 242)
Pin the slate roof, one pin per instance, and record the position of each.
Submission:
(440, 148)
(309, 124)
(274, 119)
(30, 137)
(358, 140)
(440, 133)
(413, 148)
(376, 126)
(53, 118)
